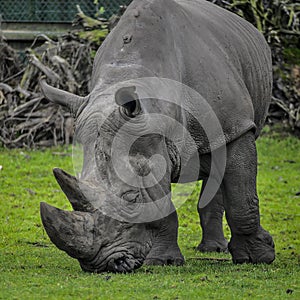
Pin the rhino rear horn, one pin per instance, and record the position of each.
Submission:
(72, 232)
(81, 196)
(71, 101)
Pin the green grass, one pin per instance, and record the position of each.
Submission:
(32, 268)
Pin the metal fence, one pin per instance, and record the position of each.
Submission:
(55, 10)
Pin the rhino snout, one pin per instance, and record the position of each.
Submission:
(118, 263)
(116, 259)
(98, 242)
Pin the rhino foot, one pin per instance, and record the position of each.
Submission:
(255, 248)
(162, 257)
(213, 246)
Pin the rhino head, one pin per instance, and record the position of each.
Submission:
(116, 213)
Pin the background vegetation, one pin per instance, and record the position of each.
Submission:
(31, 267)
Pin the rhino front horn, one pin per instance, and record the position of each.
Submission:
(72, 232)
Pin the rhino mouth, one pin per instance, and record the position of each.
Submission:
(90, 236)
(117, 262)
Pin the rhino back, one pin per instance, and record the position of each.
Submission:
(218, 54)
(233, 66)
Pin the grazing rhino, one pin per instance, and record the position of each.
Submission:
(220, 57)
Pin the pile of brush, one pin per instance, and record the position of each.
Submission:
(26, 118)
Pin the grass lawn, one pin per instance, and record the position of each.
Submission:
(31, 267)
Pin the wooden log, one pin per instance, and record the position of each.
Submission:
(51, 75)
(66, 69)
(20, 109)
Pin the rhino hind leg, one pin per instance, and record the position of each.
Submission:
(249, 243)
(165, 249)
(211, 221)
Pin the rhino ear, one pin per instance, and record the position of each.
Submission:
(128, 99)
(70, 101)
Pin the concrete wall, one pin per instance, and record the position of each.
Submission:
(21, 35)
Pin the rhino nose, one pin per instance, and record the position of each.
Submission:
(121, 265)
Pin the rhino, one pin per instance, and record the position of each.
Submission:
(136, 143)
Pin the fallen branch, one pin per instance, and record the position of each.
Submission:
(24, 107)
(86, 21)
(284, 107)
(51, 75)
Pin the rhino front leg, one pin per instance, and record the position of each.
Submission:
(165, 249)
(211, 221)
(249, 243)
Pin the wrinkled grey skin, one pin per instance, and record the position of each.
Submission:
(224, 59)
